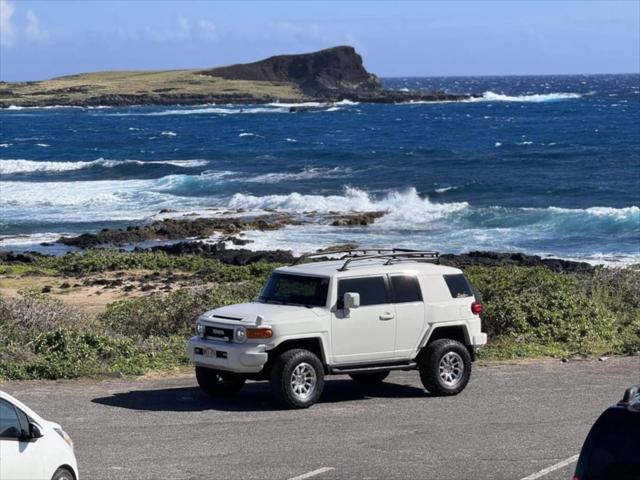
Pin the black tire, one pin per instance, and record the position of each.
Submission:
(282, 378)
(458, 361)
(372, 378)
(63, 474)
(218, 383)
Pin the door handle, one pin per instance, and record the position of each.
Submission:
(386, 316)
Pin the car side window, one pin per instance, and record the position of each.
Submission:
(9, 424)
(406, 288)
(372, 290)
(458, 286)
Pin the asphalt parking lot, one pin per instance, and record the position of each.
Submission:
(512, 422)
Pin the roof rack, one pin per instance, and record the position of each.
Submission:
(391, 254)
(350, 252)
(411, 256)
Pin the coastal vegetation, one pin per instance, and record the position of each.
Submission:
(148, 302)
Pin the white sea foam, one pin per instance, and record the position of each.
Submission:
(169, 133)
(533, 98)
(31, 239)
(43, 145)
(305, 174)
(498, 144)
(403, 208)
(624, 213)
(8, 166)
(212, 110)
(5, 145)
(445, 189)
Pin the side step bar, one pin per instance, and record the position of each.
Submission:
(373, 368)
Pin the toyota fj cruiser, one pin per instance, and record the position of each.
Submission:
(365, 314)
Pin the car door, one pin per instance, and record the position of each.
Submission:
(367, 333)
(18, 460)
(410, 313)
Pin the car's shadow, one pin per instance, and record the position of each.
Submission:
(255, 396)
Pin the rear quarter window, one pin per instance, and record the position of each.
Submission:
(406, 288)
(459, 287)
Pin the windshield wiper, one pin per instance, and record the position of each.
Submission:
(271, 300)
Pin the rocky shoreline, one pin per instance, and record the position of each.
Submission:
(212, 237)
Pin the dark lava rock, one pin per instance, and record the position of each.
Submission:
(360, 219)
(26, 257)
(337, 69)
(229, 256)
(65, 285)
(176, 229)
(46, 289)
(519, 259)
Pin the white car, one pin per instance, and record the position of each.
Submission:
(368, 313)
(32, 448)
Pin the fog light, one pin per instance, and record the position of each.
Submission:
(200, 329)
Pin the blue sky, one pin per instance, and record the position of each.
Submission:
(43, 39)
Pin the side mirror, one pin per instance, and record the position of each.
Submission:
(34, 431)
(351, 300)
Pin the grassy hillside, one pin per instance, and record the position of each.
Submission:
(142, 87)
(110, 311)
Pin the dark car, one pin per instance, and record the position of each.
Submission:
(612, 448)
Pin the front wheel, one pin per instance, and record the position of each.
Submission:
(445, 367)
(218, 383)
(62, 474)
(297, 379)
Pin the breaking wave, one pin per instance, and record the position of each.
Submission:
(305, 174)
(533, 98)
(9, 166)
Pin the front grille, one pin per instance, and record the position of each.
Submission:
(218, 332)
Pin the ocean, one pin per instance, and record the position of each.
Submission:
(546, 165)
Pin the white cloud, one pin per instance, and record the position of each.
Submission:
(208, 30)
(7, 30)
(33, 30)
(184, 28)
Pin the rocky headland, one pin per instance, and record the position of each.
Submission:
(326, 76)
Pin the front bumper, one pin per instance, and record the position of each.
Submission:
(231, 357)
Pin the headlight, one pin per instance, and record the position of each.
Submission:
(64, 436)
(241, 334)
(200, 329)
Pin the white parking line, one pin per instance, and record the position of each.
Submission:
(552, 468)
(313, 473)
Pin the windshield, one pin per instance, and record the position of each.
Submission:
(298, 289)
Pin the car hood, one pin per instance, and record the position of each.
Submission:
(249, 313)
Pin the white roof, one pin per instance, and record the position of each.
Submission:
(368, 267)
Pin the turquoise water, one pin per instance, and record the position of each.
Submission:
(546, 165)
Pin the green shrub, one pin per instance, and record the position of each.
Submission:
(70, 354)
(174, 313)
(101, 260)
(536, 306)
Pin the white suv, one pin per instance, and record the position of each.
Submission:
(370, 312)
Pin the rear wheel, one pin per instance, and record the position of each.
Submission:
(372, 378)
(218, 383)
(62, 474)
(445, 367)
(297, 379)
